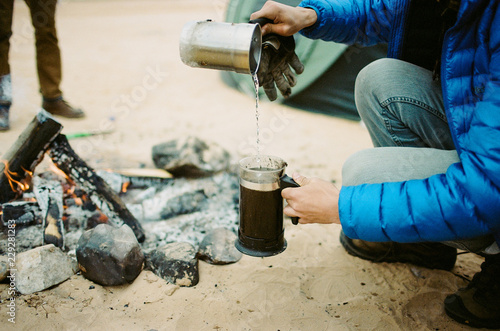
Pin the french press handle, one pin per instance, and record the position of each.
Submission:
(285, 182)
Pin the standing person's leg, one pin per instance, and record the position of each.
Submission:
(48, 55)
(402, 106)
(6, 12)
(48, 58)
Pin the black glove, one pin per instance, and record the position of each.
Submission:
(278, 55)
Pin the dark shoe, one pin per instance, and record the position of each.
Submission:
(60, 107)
(478, 305)
(4, 118)
(429, 255)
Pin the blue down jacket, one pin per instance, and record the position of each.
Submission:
(465, 201)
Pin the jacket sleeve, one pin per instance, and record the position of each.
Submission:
(365, 22)
(465, 201)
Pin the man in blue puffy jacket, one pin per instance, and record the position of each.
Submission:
(432, 108)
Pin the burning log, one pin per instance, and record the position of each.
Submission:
(49, 195)
(123, 179)
(96, 188)
(53, 224)
(23, 213)
(144, 178)
(27, 152)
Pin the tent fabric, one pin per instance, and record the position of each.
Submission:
(327, 83)
(332, 93)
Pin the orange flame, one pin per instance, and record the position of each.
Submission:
(23, 186)
(125, 187)
(72, 186)
(58, 171)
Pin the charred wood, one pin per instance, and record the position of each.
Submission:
(25, 154)
(122, 180)
(145, 182)
(22, 213)
(49, 195)
(144, 178)
(53, 232)
(96, 188)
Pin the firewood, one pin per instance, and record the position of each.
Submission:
(144, 172)
(144, 178)
(19, 162)
(54, 227)
(49, 195)
(96, 188)
(23, 213)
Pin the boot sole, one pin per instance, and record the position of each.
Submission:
(401, 258)
(454, 308)
(68, 115)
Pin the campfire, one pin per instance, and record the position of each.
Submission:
(70, 197)
(42, 137)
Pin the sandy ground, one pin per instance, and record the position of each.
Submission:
(121, 65)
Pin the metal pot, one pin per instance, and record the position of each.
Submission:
(220, 45)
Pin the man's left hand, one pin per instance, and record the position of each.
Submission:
(315, 201)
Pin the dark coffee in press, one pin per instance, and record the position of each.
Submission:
(261, 230)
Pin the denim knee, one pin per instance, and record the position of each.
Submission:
(367, 82)
(358, 169)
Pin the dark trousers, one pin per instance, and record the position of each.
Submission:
(48, 56)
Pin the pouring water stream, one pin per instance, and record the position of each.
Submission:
(256, 85)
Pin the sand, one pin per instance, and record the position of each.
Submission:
(122, 66)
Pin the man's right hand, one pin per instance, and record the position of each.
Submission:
(278, 46)
(287, 20)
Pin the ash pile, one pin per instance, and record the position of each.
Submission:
(202, 196)
(110, 225)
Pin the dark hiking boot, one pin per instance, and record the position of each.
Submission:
(62, 108)
(429, 255)
(478, 305)
(4, 118)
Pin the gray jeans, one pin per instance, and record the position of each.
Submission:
(402, 107)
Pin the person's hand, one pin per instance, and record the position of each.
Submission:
(315, 201)
(287, 20)
(278, 46)
(277, 58)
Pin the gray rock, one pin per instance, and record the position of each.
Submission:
(190, 157)
(41, 268)
(186, 203)
(109, 256)
(4, 267)
(176, 263)
(218, 247)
